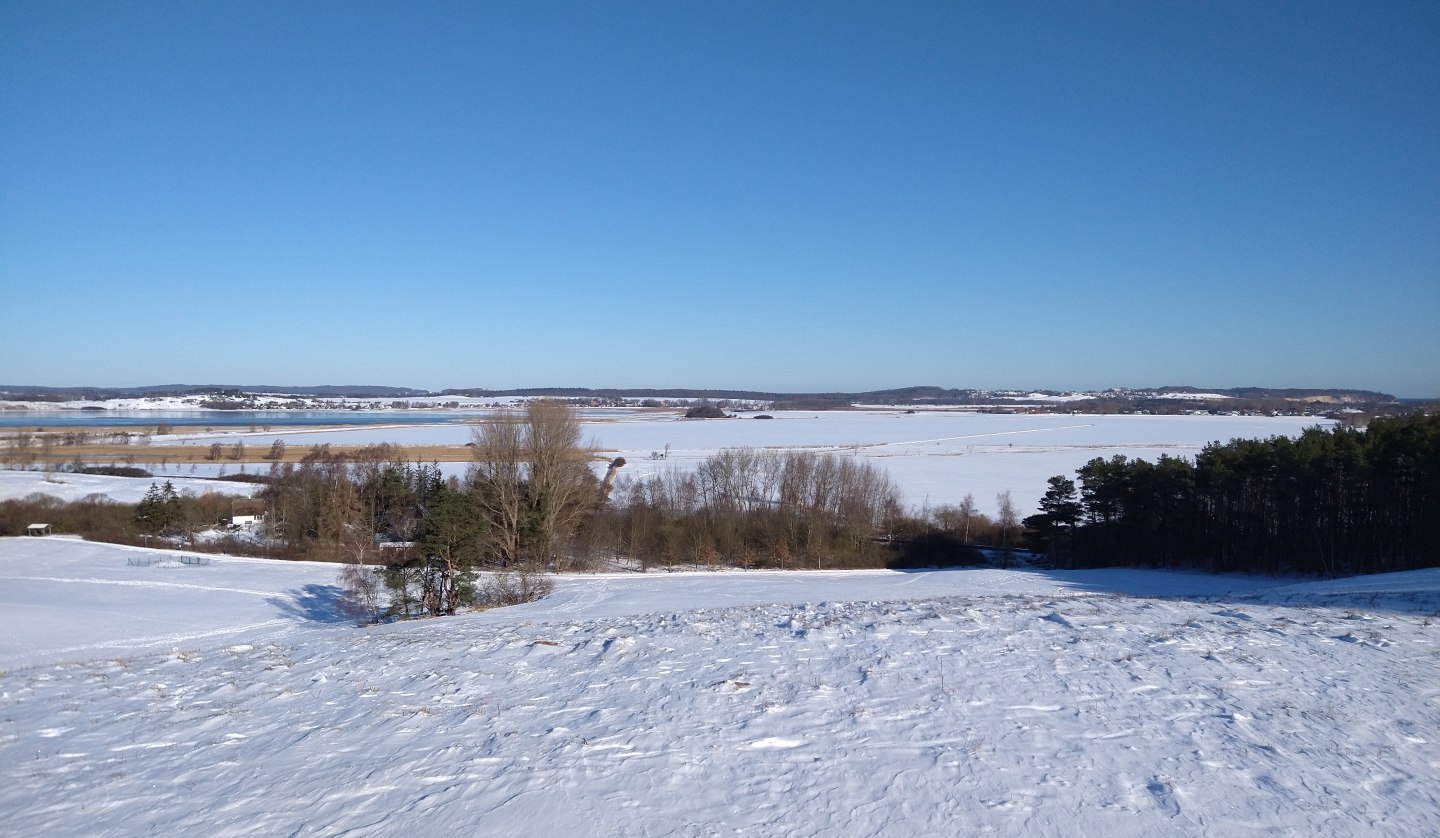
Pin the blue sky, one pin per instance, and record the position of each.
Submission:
(768, 195)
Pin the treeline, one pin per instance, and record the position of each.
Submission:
(1329, 502)
(761, 509)
(751, 508)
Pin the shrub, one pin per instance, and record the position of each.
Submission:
(512, 587)
(117, 471)
(705, 410)
(243, 477)
(96, 517)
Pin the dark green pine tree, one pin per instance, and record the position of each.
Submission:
(452, 538)
(158, 511)
(1055, 525)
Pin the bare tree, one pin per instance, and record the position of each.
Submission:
(498, 448)
(19, 450)
(360, 586)
(959, 520)
(361, 583)
(341, 519)
(47, 453)
(967, 515)
(561, 486)
(1009, 522)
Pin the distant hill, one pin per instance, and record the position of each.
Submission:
(1137, 398)
(614, 393)
(902, 395)
(1360, 396)
(933, 395)
(60, 394)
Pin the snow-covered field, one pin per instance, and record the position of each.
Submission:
(229, 699)
(72, 487)
(935, 457)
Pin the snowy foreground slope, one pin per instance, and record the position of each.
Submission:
(228, 700)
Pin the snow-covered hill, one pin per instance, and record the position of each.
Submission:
(227, 699)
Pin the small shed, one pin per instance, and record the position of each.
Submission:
(38, 529)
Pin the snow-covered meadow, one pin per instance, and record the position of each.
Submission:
(143, 695)
(935, 457)
(72, 487)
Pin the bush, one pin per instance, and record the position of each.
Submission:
(243, 477)
(117, 471)
(96, 517)
(705, 410)
(512, 587)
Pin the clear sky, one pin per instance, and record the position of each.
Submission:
(768, 195)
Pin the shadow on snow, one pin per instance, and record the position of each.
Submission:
(312, 603)
(1403, 592)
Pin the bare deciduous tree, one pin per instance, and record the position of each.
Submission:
(562, 489)
(967, 514)
(532, 481)
(360, 599)
(498, 449)
(341, 519)
(1009, 522)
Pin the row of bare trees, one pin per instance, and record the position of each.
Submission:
(749, 507)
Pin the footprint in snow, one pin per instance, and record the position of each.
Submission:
(1164, 795)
